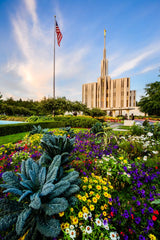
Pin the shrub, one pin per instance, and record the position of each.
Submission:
(8, 129)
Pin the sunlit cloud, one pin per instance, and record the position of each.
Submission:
(35, 69)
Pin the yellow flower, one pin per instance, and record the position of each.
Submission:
(91, 207)
(61, 214)
(91, 193)
(104, 213)
(105, 206)
(75, 221)
(79, 197)
(110, 203)
(125, 161)
(85, 210)
(71, 209)
(80, 214)
(111, 187)
(86, 195)
(105, 188)
(152, 237)
(89, 201)
(98, 187)
(98, 196)
(106, 194)
(139, 159)
(84, 198)
(120, 158)
(66, 225)
(102, 208)
(89, 186)
(94, 200)
(84, 187)
(62, 226)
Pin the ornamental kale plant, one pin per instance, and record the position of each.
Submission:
(54, 145)
(42, 195)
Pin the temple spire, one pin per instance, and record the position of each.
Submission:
(104, 62)
(104, 51)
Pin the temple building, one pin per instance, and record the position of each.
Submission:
(112, 95)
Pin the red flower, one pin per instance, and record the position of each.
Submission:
(154, 218)
(112, 214)
(156, 212)
(156, 167)
(132, 216)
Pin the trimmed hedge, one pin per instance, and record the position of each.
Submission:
(82, 122)
(8, 129)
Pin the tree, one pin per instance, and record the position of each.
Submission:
(151, 102)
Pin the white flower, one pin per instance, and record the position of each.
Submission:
(113, 236)
(149, 134)
(98, 222)
(71, 227)
(88, 229)
(90, 214)
(85, 216)
(155, 152)
(106, 227)
(67, 230)
(145, 158)
(72, 234)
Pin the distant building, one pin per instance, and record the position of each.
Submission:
(114, 96)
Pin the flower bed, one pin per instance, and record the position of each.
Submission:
(119, 183)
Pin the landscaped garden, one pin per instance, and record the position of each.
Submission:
(81, 184)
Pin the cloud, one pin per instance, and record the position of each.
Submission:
(34, 67)
(149, 68)
(135, 61)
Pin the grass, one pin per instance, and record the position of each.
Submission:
(124, 127)
(12, 138)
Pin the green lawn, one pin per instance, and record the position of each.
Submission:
(12, 138)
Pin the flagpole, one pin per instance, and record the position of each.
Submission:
(54, 57)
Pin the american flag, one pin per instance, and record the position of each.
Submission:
(59, 34)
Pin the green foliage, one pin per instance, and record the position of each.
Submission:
(151, 102)
(38, 129)
(96, 112)
(137, 130)
(69, 131)
(97, 128)
(8, 129)
(42, 195)
(53, 145)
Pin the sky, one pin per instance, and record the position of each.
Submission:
(27, 43)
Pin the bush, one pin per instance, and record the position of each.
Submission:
(26, 127)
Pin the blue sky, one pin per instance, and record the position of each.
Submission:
(26, 45)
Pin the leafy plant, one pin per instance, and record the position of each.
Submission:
(53, 145)
(97, 127)
(41, 197)
(69, 131)
(38, 129)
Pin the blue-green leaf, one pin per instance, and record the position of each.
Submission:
(42, 176)
(49, 227)
(11, 179)
(47, 188)
(73, 189)
(14, 191)
(25, 194)
(60, 187)
(22, 220)
(55, 206)
(35, 201)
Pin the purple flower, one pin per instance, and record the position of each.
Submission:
(138, 203)
(137, 220)
(150, 210)
(105, 222)
(141, 237)
(133, 198)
